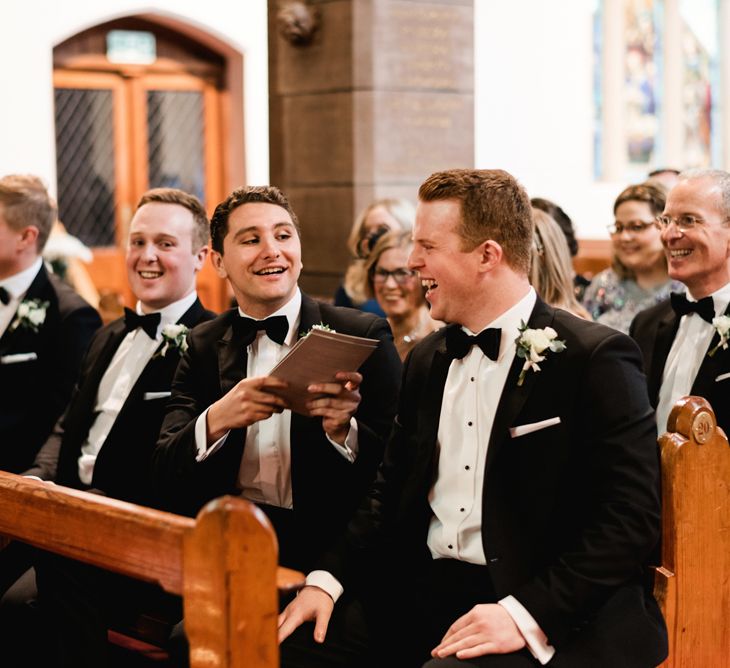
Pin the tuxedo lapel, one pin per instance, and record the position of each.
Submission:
(40, 289)
(665, 333)
(434, 394)
(514, 396)
(232, 357)
(711, 368)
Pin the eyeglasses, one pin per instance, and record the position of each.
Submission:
(633, 226)
(683, 223)
(401, 276)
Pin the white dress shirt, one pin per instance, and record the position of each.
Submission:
(472, 392)
(265, 472)
(130, 359)
(16, 285)
(685, 357)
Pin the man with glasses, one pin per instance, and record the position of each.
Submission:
(683, 339)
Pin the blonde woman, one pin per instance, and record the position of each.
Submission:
(380, 216)
(551, 270)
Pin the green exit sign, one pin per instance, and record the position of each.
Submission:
(131, 46)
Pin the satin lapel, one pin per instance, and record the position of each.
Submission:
(300, 424)
(665, 333)
(514, 396)
(38, 289)
(232, 359)
(88, 391)
(430, 410)
(711, 368)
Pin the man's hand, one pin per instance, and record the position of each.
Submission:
(249, 401)
(312, 604)
(339, 404)
(485, 629)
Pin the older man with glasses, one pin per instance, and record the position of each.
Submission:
(684, 338)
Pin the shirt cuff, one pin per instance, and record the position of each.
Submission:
(201, 438)
(327, 582)
(534, 637)
(350, 448)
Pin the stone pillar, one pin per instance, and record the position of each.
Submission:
(381, 97)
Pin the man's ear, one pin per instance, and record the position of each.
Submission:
(490, 255)
(29, 237)
(217, 259)
(200, 258)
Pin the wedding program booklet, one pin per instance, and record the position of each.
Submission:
(316, 358)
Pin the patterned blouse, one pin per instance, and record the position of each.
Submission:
(614, 301)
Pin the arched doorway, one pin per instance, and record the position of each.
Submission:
(137, 105)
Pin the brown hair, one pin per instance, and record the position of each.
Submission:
(652, 193)
(25, 202)
(239, 197)
(493, 206)
(551, 270)
(201, 226)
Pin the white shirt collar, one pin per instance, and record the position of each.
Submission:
(17, 284)
(292, 310)
(171, 313)
(509, 321)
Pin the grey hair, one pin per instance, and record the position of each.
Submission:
(719, 177)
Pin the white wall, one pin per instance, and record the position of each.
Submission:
(534, 113)
(29, 29)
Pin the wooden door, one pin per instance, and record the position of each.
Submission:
(119, 133)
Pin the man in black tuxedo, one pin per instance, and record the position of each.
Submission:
(105, 438)
(518, 499)
(683, 350)
(45, 327)
(226, 433)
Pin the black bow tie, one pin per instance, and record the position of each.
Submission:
(276, 327)
(705, 307)
(148, 323)
(4, 295)
(458, 342)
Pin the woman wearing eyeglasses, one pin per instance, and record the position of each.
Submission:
(378, 217)
(398, 291)
(638, 275)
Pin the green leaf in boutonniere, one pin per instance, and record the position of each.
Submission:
(174, 337)
(531, 346)
(722, 325)
(31, 315)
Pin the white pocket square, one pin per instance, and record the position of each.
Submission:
(18, 357)
(523, 429)
(722, 376)
(155, 395)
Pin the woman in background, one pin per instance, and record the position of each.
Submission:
(398, 290)
(551, 269)
(637, 278)
(381, 216)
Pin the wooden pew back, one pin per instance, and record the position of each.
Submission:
(693, 581)
(223, 563)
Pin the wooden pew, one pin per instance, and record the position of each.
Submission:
(693, 582)
(223, 563)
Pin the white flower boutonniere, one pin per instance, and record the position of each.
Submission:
(321, 327)
(532, 343)
(722, 325)
(31, 315)
(174, 336)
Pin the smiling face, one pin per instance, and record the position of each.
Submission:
(448, 272)
(262, 257)
(698, 257)
(398, 300)
(638, 251)
(161, 264)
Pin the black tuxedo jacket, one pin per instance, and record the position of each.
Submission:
(654, 331)
(570, 512)
(36, 391)
(326, 488)
(122, 468)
